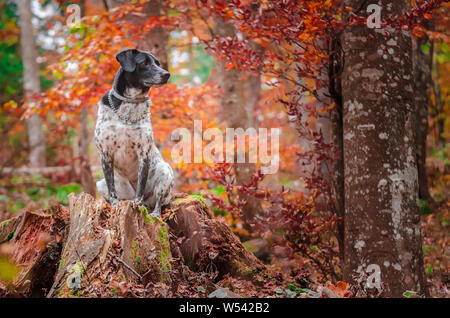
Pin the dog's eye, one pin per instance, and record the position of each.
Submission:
(145, 63)
(157, 63)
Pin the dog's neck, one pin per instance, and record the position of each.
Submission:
(134, 93)
(123, 91)
(127, 89)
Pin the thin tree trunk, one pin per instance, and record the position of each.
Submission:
(382, 219)
(253, 86)
(236, 114)
(87, 180)
(440, 139)
(323, 123)
(423, 62)
(36, 137)
(337, 180)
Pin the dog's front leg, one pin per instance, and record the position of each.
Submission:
(108, 171)
(144, 166)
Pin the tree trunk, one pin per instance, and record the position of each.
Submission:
(337, 137)
(438, 113)
(36, 137)
(423, 62)
(382, 219)
(87, 180)
(236, 114)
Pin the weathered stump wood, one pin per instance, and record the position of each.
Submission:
(93, 249)
(107, 245)
(34, 241)
(208, 245)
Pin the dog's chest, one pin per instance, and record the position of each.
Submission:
(125, 134)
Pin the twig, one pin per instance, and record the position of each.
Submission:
(125, 264)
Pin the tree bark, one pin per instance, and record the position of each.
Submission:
(35, 242)
(99, 236)
(337, 137)
(237, 115)
(422, 61)
(209, 245)
(87, 180)
(36, 137)
(382, 219)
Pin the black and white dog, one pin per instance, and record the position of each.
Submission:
(132, 165)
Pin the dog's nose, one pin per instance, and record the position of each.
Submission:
(166, 76)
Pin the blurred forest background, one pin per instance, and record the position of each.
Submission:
(233, 64)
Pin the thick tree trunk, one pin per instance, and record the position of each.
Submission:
(237, 115)
(382, 219)
(97, 249)
(422, 61)
(36, 137)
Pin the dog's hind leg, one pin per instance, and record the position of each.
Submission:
(160, 185)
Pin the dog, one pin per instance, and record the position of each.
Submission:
(132, 165)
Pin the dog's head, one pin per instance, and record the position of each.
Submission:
(142, 69)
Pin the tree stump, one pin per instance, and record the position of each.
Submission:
(208, 245)
(33, 241)
(107, 245)
(93, 249)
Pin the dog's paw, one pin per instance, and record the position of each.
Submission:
(138, 202)
(114, 202)
(156, 213)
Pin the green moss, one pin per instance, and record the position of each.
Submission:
(165, 251)
(249, 247)
(134, 253)
(78, 267)
(147, 217)
(9, 237)
(193, 197)
(5, 223)
(143, 210)
(62, 262)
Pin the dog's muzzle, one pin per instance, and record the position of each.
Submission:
(164, 78)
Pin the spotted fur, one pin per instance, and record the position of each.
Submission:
(132, 164)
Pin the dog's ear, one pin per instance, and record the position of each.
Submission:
(127, 59)
(154, 58)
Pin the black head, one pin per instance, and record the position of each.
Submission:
(142, 69)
